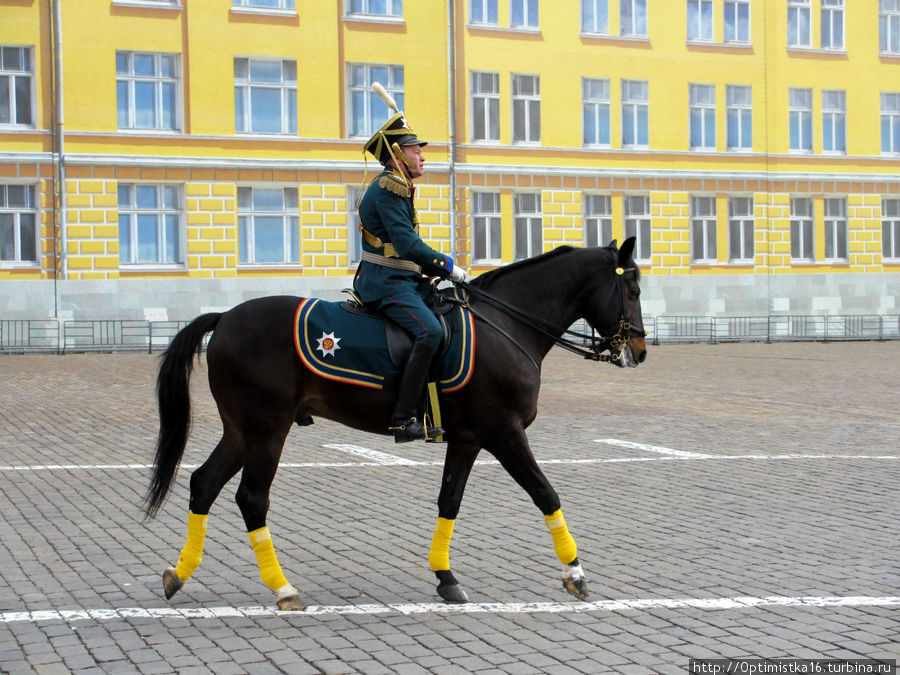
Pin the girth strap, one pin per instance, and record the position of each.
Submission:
(395, 263)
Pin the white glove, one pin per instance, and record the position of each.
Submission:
(458, 273)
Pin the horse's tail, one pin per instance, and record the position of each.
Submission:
(173, 393)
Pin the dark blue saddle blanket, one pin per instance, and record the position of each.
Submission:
(353, 346)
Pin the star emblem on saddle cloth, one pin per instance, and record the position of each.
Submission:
(328, 344)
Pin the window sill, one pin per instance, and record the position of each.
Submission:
(373, 18)
(268, 267)
(493, 27)
(597, 146)
(719, 45)
(150, 268)
(24, 265)
(148, 4)
(263, 11)
(150, 132)
(889, 55)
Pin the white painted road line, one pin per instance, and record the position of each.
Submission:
(374, 455)
(684, 454)
(623, 605)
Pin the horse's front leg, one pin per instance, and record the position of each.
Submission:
(515, 455)
(457, 467)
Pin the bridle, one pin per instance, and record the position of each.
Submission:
(615, 343)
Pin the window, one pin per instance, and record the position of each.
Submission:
(268, 225)
(150, 224)
(800, 122)
(483, 11)
(703, 229)
(798, 23)
(633, 17)
(801, 229)
(264, 4)
(528, 234)
(485, 106)
(700, 20)
(836, 229)
(18, 224)
(832, 24)
(834, 126)
(354, 238)
(739, 116)
(740, 229)
(15, 86)
(890, 122)
(595, 16)
(889, 26)
(375, 7)
(595, 103)
(526, 102)
(635, 112)
(367, 111)
(147, 90)
(890, 229)
(703, 116)
(637, 224)
(736, 24)
(265, 95)
(597, 220)
(523, 13)
(486, 227)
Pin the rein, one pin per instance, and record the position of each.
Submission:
(615, 343)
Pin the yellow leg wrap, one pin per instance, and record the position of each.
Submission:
(562, 540)
(269, 569)
(193, 547)
(439, 555)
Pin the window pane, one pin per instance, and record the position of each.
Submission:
(265, 71)
(145, 197)
(122, 102)
(173, 241)
(144, 65)
(147, 238)
(7, 237)
(268, 199)
(144, 105)
(268, 239)
(265, 110)
(125, 254)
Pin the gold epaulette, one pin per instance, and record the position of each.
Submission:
(394, 184)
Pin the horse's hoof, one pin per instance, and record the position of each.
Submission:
(288, 599)
(171, 583)
(449, 589)
(573, 580)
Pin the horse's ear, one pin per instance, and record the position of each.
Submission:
(626, 251)
(614, 245)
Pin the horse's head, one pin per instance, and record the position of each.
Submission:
(622, 323)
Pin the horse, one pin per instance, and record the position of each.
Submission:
(261, 389)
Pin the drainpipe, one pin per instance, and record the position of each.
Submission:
(59, 134)
(451, 100)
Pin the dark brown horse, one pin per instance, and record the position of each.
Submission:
(261, 388)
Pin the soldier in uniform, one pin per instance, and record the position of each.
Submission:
(393, 275)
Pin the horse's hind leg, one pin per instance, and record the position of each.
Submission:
(206, 483)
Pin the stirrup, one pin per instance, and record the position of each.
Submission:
(411, 429)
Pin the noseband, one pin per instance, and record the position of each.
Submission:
(622, 333)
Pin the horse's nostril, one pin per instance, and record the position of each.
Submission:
(642, 356)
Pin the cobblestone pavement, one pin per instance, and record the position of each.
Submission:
(743, 504)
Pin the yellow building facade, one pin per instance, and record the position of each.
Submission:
(163, 157)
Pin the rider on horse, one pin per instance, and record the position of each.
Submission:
(395, 261)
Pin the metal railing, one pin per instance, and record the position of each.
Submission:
(119, 335)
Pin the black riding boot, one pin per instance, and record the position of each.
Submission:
(405, 424)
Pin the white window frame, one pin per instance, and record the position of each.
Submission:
(739, 117)
(800, 112)
(245, 86)
(700, 21)
(248, 215)
(127, 82)
(14, 218)
(167, 216)
(636, 210)
(636, 113)
(739, 32)
(365, 8)
(595, 104)
(486, 125)
(702, 114)
(890, 123)
(803, 248)
(890, 229)
(595, 17)
(359, 88)
(832, 25)
(836, 229)
(530, 14)
(485, 8)
(834, 119)
(19, 81)
(487, 228)
(530, 105)
(633, 18)
(741, 230)
(527, 215)
(799, 23)
(704, 230)
(889, 27)
(597, 219)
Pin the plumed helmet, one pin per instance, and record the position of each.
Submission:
(395, 132)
